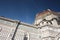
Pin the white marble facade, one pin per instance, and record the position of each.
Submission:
(45, 27)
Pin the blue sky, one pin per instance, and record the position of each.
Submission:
(25, 10)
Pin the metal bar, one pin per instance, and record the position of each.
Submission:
(15, 31)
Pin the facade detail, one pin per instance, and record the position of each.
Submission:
(46, 27)
(48, 22)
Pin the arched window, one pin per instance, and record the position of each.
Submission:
(25, 37)
(41, 23)
(58, 21)
(44, 20)
(54, 18)
(48, 22)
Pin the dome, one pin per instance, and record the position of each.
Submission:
(43, 14)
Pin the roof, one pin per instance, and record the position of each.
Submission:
(45, 13)
(17, 21)
(7, 19)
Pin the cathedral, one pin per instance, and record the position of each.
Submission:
(46, 26)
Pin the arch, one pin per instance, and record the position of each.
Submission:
(26, 36)
(49, 21)
(44, 20)
(53, 19)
